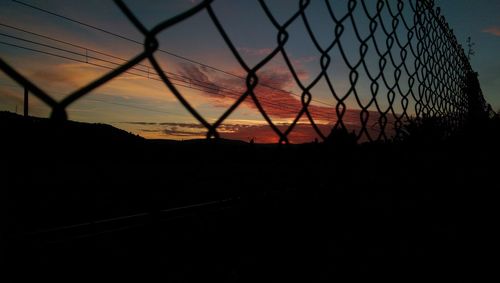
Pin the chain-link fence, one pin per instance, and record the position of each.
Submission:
(420, 69)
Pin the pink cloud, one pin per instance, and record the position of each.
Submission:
(494, 30)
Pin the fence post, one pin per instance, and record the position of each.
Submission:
(25, 102)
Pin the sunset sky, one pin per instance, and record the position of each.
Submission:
(138, 102)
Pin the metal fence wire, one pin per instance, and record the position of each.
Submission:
(420, 63)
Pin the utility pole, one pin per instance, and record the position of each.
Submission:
(25, 102)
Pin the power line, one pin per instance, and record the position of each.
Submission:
(198, 85)
(57, 40)
(120, 36)
(87, 56)
(73, 45)
(76, 21)
(195, 87)
(159, 49)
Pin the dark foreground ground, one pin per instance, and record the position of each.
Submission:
(308, 213)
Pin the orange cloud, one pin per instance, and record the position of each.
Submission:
(494, 30)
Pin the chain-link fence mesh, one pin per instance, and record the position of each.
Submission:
(420, 69)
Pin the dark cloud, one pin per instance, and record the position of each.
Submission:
(199, 76)
(141, 123)
(167, 129)
(182, 132)
(190, 125)
(192, 71)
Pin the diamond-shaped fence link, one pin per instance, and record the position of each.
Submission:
(422, 71)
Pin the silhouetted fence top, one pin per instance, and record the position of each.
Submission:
(420, 69)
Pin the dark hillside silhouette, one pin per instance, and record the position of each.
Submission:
(79, 132)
